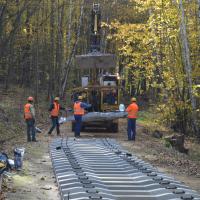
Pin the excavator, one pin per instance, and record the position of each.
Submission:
(99, 86)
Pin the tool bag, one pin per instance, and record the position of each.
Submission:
(4, 165)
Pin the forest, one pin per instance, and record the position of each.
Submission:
(157, 44)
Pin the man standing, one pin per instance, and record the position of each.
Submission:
(55, 110)
(29, 115)
(79, 111)
(132, 110)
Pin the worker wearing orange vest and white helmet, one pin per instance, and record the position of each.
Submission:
(54, 112)
(79, 111)
(132, 110)
(29, 116)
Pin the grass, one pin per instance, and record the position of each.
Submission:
(150, 119)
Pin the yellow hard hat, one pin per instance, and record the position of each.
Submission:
(57, 99)
(133, 99)
(80, 97)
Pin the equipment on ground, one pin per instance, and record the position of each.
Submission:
(100, 87)
(38, 130)
(3, 162)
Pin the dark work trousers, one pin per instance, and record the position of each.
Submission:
(131, 129)
(30, 130)
(56, 124)
(78, 122)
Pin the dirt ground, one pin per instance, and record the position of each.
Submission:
(37, 181)
(185, 168)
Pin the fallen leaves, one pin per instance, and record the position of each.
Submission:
(155, 152)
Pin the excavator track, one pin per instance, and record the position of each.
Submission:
(92, 169)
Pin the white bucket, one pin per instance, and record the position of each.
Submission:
(18, 157)
(22, 150)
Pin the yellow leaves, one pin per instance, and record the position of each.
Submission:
(156, 44)
(130, 37)
(8, 28)
(196, 73)
(169, 79)
(109, 37)
(125, 50)
(105, 25)
(196, 90)
(156, 85)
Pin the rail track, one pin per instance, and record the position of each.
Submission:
(92, 169)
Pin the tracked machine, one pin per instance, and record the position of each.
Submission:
(99, 86)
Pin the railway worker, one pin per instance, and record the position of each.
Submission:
(54, 109)
(79, 111)
(29, 116)
(132, 110)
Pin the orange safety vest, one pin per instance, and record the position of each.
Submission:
(55, 110)
(77, 109)
(132, 111)
(27, 111)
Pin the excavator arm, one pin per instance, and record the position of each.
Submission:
(96, 59)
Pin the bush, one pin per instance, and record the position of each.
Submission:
(177, 115)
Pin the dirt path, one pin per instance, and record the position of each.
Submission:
(37, 180)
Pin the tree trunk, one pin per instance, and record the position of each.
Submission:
(60, 47)
(177, 142)
(37, 60)
(188, 67)
(69, 25)
(73, 51)
(52, 60)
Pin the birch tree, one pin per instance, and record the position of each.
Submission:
(188, 66)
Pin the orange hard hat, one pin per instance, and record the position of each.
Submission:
(30, 99)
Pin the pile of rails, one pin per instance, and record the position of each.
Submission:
(96, 116)
(101, 169)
